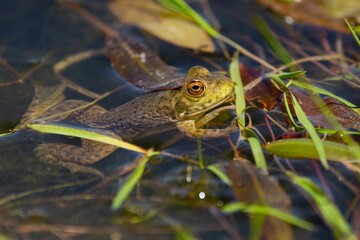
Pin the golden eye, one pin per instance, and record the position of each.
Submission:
(196, 88)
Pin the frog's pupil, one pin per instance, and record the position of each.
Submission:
(195, 88)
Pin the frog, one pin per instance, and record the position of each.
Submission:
(186, 108)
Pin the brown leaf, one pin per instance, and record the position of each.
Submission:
(250, 185)
(140, 66)
(162, 23)
(319, 115)
(347, 117)
(356, 222)
(263, 94)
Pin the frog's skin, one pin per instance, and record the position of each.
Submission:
(184, 108)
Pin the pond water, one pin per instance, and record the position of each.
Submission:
(174, 198)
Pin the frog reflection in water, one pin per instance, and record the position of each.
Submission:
(179, 108)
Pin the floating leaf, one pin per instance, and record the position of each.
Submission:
(304, 148)
(163, 23)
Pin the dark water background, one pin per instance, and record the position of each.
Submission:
(32, 32)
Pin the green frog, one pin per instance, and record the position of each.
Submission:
(187, 108)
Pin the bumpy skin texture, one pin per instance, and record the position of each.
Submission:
(146, 114)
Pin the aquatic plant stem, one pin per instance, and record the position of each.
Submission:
(199, 149)
(244, 51)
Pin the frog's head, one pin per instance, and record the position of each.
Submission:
(202, 92)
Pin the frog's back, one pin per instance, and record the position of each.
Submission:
(153, 111)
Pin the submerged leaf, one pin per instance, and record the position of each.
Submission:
(163, 23)
(251, 186)
(44, 99)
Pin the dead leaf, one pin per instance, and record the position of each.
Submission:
(162, 23)
(264, 94)
(327, 14)
(318, 113)
(252, 186)
(347, 117)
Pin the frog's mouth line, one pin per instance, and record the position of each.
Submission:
(211, 108)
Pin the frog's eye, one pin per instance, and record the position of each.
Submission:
(196, 88)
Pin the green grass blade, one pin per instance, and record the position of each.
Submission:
(184, 234)
(240, 101)
(287, 75)
(321, 91)
(256, 150)
(268, 211)
(288, 111)
(5, 134)
(278, 81)
(4, 237)
(273, 42)
(256, 226)
(74, 132)
(330, 213)
(131, 182)
(311, 130)
(182, 7)
(304, 148)
(353, 31)
(220, 174)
